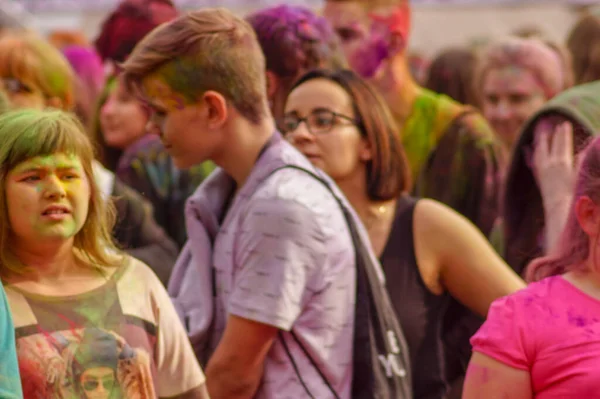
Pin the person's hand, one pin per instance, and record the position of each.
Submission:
(554, 165)
(555, 169)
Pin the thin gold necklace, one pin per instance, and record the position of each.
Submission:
(378, 213)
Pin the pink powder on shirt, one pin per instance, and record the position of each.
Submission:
(550, 329)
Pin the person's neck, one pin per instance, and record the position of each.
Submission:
(399, 89)
(355, 190)
(46, 263)
(245, 142)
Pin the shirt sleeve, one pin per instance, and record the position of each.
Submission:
(281, 250)
(504, 336)
(178, 370)
(10, 381)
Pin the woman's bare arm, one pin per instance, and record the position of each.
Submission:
(453, 251)
(490, 379)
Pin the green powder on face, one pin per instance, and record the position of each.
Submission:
(71, 177)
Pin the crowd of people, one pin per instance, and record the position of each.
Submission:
(285, 205)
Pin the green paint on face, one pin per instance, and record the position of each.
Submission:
(162, 97)
(57, 179)
(182, 76)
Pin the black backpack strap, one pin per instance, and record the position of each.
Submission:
(312, 361)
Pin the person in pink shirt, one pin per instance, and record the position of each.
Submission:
(544, 341)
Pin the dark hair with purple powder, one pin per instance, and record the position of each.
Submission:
(128, 24)
(296, 40)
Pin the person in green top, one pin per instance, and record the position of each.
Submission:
(453, 153)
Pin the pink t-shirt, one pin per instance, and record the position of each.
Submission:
(552, 330)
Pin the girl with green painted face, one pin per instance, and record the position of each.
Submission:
(36, 75)
(66, 280)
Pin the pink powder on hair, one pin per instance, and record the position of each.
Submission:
(367, 60)
(397, 22)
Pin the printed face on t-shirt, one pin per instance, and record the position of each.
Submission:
(47, 197)
(98, 383)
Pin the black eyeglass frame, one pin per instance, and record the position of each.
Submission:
(335, 115)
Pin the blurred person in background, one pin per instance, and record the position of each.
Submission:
(540, 177)
(543, 342)
(584, 45)
(62, 38)
(127, 24)
(36, 75)
(534, 32)
(451, 73)
(514, 78)
(453, 154)
(294, 40)
(137, 156)
(90, 80)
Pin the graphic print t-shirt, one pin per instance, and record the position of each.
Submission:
(122, 340)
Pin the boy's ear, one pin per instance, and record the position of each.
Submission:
(215, 108)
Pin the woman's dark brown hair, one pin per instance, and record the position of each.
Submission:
(584, 45)
(388, 172)
(451, 73)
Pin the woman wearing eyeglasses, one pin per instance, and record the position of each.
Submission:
(428, 251)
